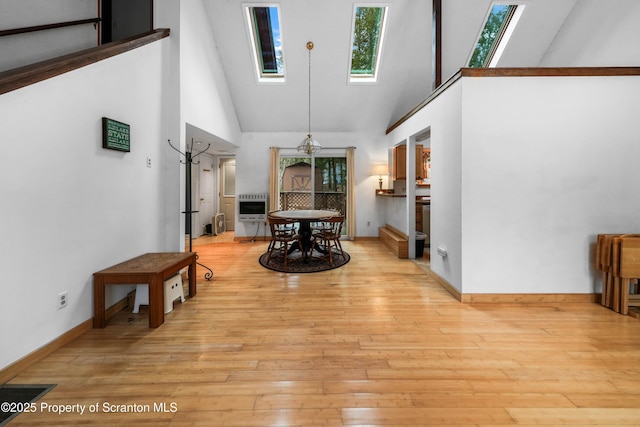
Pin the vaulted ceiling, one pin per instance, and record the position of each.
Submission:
(405, 75)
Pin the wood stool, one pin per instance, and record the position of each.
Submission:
(172, 291)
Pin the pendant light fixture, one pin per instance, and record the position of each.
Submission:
(309, 145)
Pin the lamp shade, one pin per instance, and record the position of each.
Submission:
(309, 145)
(380, 169)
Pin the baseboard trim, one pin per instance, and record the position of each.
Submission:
(34, 357)
(366, 238)
(515, 298)
(448, 287)
(531, 298)
(242, 239)
(119, 306)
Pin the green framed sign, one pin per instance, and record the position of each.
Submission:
(115, 135)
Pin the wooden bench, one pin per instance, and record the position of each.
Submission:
(395, 240)
(150, 268)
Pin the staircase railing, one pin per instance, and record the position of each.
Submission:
(31, 29)
(23, 76)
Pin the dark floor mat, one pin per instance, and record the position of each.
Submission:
(14, 397)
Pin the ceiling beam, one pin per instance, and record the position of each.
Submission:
(436, 57)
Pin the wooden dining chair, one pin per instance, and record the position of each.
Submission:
(283, 234)
(328, 235)
(604, 262)
(628, 272)
(614, 258)
(321, 224)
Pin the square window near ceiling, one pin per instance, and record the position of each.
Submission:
(498, 28)
(366, 42)
(265, 33)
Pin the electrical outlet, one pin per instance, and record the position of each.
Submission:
(63, 300)
(148, 162)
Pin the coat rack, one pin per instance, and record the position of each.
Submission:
(188, 161)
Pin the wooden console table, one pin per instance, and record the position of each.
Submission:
(150, 268)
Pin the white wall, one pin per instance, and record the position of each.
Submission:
(77, 208)
(70, 207)
(205, 99)
(596, 34)
(526, 173)
(252, 171)
(443, 116)
(167, 15)
(22, 49)
(547, 164)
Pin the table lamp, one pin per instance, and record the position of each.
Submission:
(380, 170)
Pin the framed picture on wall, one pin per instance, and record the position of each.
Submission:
(115, 135)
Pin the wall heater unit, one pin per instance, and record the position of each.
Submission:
(252, 207)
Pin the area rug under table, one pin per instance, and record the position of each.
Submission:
(296, 264)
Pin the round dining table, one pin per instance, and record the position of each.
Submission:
(305, 217)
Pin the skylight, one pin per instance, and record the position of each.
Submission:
(366, 43)
(266, 41)
(493, 39)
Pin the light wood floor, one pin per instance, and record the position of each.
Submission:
(227, 237)
(376, 342)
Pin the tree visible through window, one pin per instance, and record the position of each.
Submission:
(332, 171)
(367, 40)
(491, 34)
(329, 180)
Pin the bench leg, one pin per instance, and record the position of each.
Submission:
(156, 301)
(99, 320)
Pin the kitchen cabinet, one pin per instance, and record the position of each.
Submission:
(400, 162)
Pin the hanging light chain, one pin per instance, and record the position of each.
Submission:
(309, 47)
(309, 145)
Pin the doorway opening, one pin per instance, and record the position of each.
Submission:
(213, 192)
(216, 200)
(125, 18)
(227, 201)
(423, 191)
